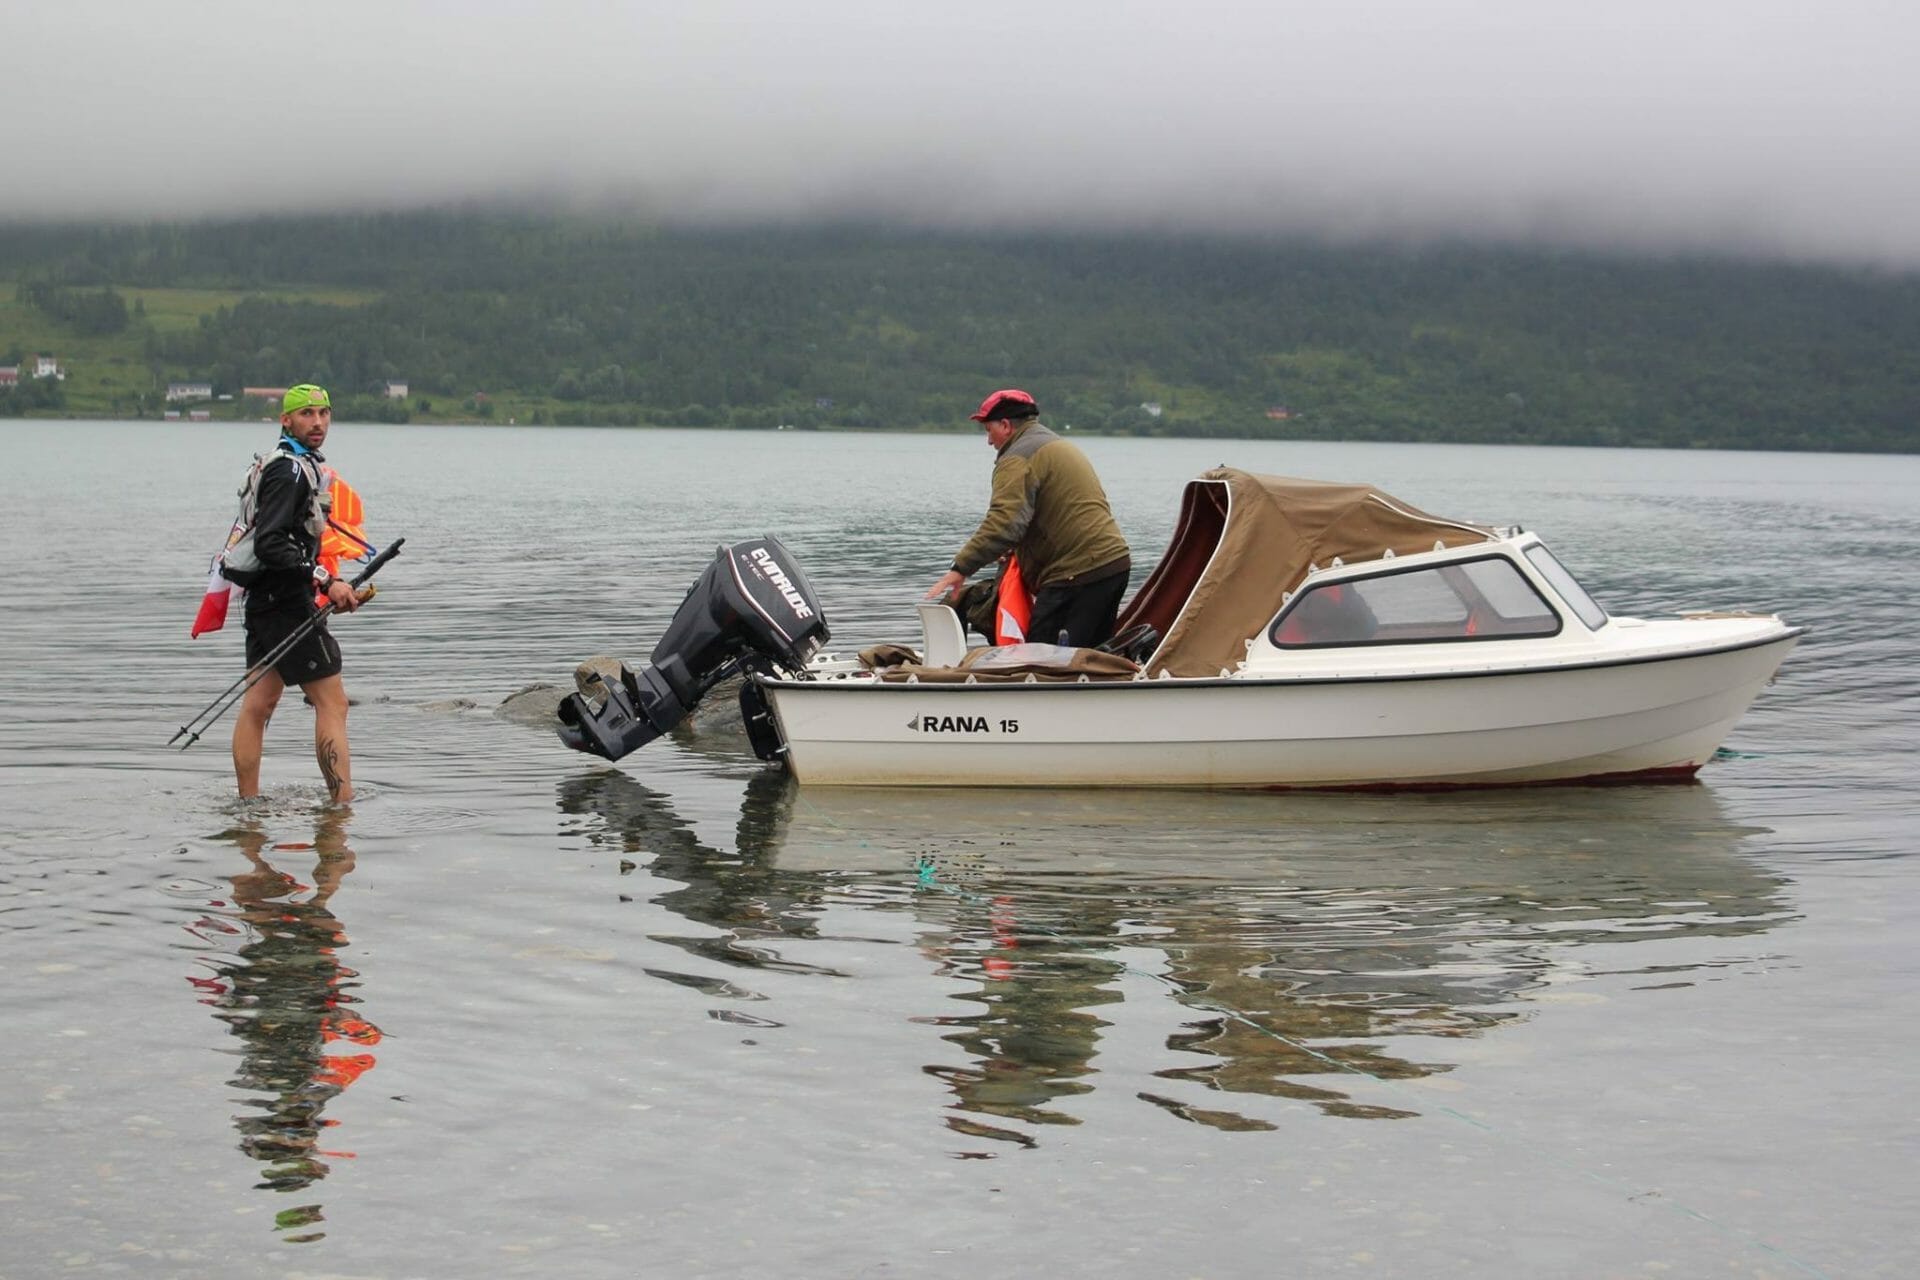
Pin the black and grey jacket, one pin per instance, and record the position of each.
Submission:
(287, 526)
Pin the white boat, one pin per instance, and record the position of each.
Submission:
(1295, 634)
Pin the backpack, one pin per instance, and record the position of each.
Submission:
(239, 561)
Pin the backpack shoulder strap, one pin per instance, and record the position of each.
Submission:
(250, 485)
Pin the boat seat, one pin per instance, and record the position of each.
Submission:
(943, 639)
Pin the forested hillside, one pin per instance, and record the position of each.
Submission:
(582, 321)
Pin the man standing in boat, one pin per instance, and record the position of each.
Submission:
(286, 536)
(1049, 510)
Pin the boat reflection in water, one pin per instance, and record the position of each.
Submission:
(276, 979)
(1294, 937)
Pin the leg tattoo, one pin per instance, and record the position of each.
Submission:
(330, 767)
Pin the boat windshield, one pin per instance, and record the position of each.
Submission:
(1481, 599)
(1571, 591)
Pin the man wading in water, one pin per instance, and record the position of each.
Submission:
(287, 541)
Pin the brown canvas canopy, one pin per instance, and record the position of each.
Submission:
(1244, 541)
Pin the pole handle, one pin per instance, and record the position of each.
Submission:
(374, 565)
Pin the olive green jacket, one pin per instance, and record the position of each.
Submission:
(1049, 509)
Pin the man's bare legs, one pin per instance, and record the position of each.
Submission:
(250, 731)
(329, 699)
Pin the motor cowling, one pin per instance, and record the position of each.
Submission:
(751, 607)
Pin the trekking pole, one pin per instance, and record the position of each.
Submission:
(252, 675)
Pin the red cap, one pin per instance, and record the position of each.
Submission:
(1007, 403)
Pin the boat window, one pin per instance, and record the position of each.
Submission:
(1510, 598)
(1483, 599)
(1571, 591)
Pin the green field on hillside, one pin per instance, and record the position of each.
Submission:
(113, 375)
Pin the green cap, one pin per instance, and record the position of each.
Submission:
(298, 398)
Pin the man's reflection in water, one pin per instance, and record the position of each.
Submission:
(1300, 952)
(1034, 1040)
(1293, 986)
(1040, 947)
(285, 993)
(1031, 1046)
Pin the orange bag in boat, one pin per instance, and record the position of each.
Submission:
(1013, 610)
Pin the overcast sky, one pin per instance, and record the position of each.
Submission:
(1785, 128)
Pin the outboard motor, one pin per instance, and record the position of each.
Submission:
(752, 609)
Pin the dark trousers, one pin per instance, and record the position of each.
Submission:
(1085, 612)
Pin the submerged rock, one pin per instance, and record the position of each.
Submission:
(604, 666)
(716, 714)
(538, 705)
(450, 704)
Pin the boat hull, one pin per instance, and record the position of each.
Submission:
(1653, 718)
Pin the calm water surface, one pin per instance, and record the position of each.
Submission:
(519, 1013)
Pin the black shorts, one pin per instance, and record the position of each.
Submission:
(315, 657)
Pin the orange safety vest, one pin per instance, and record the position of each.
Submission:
(344, 537)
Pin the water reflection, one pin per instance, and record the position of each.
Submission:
(278, 983)
(751, 902)
(1286, 947)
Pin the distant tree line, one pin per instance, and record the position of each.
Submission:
(31, 394)
(91, 312)
(856, 327)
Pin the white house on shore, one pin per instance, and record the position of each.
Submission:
(177, 391)
(396, 390)
(48, 367)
